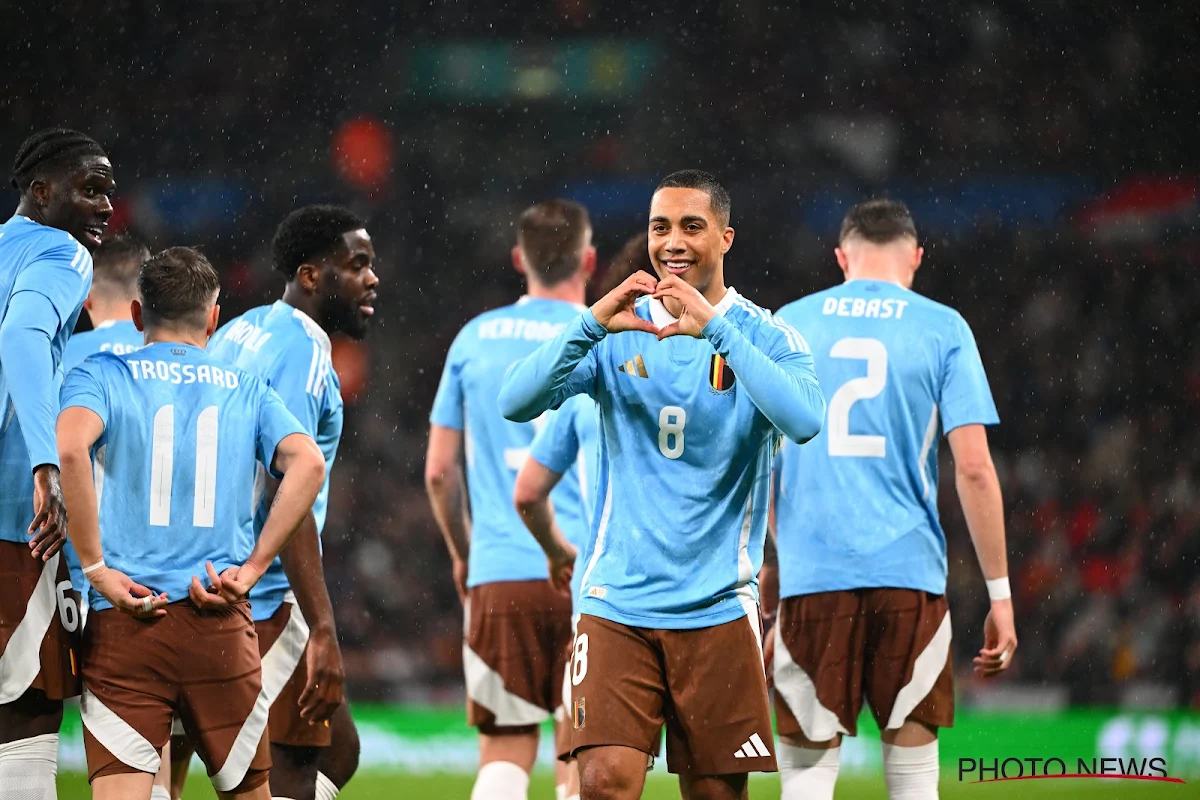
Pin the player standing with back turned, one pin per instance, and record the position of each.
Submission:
(328, 260)
(518, 628)
(862, 556)
(694, 384)
(65, 180)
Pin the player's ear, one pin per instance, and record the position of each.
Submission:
(843, 261)
(918, 254)
(726, 240)
(87, 304)
(214, 314)
(308, 276)
(135, 311)
(518, 262)
(41, 190)
(589, 262)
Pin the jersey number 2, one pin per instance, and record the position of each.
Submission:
(162, 460)
(841, 441)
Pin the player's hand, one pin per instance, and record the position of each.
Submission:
(562, 566)
(232, 586)
(999, 640)
(459, 571)
(126, 596)
(615, 311)
(696, 310)
(323, 690)
(49, 526)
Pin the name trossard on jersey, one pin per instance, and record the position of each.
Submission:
(501, 547)
(292, 353)
(50, 262)
(857, 506)
(174, 468)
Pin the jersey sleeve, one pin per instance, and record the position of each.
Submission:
(557, 443)
(966, 396)
(448, 404)
(62, 274)
(84, 388)
(776, 370)
(560, 369)
(275, 423)
(300, 378)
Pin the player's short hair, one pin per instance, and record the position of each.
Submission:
(879, 221)
(552, 236)
(116, 264)
(178, 286)
(634, 255)
(50, 153)
(718, 195)
(311, 232)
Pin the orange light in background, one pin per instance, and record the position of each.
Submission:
(362, 152)
(352, 363)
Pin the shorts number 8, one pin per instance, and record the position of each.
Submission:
(579, 662)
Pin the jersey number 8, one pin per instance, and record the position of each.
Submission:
(670, 431)
(162, 459)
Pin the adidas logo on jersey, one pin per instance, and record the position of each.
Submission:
(637, 367)
(753, 748)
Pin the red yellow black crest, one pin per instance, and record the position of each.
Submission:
(578, 717)
(720, 374)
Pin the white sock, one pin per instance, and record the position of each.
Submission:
(160, 793)
(808, 774)
(573, 797)
(326, 789)
(560, 791)
(28, 767)
(501, 780)
(911, 773)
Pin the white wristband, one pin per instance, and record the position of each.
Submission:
(90, 569)
(999, 589)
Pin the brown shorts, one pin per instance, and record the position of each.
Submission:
(201, 666)
(517, 636)
(833, 648)
(283, 641)
(706, 685)
(39, 625)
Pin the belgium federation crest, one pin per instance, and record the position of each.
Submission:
(720, 374)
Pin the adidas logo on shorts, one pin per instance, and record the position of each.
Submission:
(753, 748)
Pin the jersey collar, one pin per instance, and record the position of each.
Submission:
(523, 299)
(662, 318)
(314, 330)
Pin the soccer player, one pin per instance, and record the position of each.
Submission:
(695, 384)
(65, 181)
(328, 261)
(862, 557)
(175, 435)
(115, 265)
(518, 627)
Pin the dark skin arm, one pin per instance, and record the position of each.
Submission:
(49, 527)
(306, 574)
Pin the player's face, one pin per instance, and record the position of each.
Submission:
(348, 285)
(78, 202)
(686, 238)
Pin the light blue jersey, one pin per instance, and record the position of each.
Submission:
(569, 445)
(857, 507)
(114, 336)
(290, 351)
(47, 269)
(175, 466)
(688, 428)
(501, 547)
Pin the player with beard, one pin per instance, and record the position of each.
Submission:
(327, 257)
(65, 180)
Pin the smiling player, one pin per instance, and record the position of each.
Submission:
(695, 384)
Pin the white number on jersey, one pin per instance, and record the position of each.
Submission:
(68, 610)
(514, 457)
(579, 663)
(162, 460)
(841, 441)
(670, 431)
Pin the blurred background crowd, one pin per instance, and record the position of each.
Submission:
(1045, 147)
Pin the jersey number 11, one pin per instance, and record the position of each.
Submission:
(162, 462)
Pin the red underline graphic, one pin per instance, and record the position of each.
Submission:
(1110, 776)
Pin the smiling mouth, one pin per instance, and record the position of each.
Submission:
(367, 307)
(677, 266)
(94, 232)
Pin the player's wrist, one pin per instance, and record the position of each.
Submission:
(593, 328)
(999, 590)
